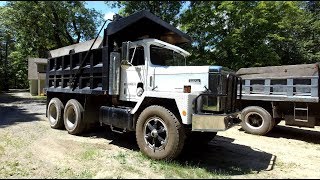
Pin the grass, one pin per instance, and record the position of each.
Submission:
(169, 169)
(39, 97)
(89, 154)
(130, 162)
(121, 157)
(177, 170)
(1, 150)
(64, 172)
(12, 168)
(85, 174)
(9, 140)
(67, 172)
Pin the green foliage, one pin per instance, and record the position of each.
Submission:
(39, 26)
(166, 10)
(234, 34)
(239, 34)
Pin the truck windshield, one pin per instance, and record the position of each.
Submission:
(166, 57)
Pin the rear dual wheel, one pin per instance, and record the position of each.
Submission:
(73, 117)
(70, 116)
(55, 113)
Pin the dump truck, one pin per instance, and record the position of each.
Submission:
(274, 93)
(136, 80)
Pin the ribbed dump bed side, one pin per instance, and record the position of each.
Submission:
(297, 83)
(92, 80)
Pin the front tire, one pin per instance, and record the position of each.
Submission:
(73, 117)
(55, 112)
(256, 120)
(159, 133)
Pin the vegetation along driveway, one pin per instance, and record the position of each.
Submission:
(29, 148)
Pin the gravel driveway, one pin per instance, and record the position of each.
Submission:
(29, 148)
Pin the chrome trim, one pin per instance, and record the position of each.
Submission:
(214, 123)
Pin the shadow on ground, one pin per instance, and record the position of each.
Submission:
(126, 140)
(224, 157)
(292, 132)
(220, 156)
(17, 109)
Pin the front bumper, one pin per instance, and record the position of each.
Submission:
(214, 122)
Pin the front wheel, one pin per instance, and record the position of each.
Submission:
(159, 133)
(256, 120)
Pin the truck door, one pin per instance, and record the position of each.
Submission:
(133, 75)
(167, 71)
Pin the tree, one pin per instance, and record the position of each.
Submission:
(313, 53)
(250, 33)
(40, 26)
(166, 10)
(44, 25)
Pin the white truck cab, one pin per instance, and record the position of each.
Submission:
(156, 69)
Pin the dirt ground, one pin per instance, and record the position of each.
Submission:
(29, 148)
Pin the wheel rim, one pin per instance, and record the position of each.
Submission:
(254, 120)
(71, 117)
(155, 133)
(53, 114)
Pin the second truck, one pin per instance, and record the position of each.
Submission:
(274, 93)
(136, 79)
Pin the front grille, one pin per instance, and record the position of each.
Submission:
(225, 86)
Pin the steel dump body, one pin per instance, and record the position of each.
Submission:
(296, 83)
(93, 79)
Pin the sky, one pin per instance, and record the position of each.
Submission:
(97, 5)
(101, 7)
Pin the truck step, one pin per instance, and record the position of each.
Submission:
(298, 111)
(302, 109)
(118, 130)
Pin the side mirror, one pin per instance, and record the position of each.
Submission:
(125, 51)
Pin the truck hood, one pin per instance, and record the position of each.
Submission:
(174, 78)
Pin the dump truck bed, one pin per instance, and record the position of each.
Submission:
(93, 78)
(297, 83)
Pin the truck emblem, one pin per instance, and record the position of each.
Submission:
(196, 81)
